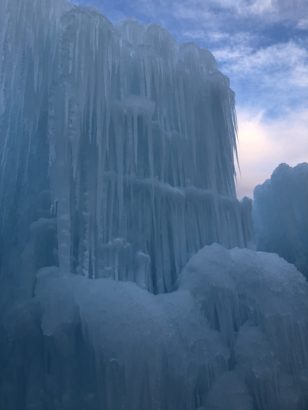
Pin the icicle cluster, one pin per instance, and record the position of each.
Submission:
(132, 134)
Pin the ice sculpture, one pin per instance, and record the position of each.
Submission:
(120, 136)
(280, 214)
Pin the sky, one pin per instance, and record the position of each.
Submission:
(262, 46)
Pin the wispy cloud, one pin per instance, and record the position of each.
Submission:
(247, 7)
(244, 60)
(273, 78)
(302, 24)
(271, 9)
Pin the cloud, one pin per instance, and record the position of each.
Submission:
(279, 57)
(272, 78)
(264, 144)
(247, 7)
(302, 24)
(291, 9)
(274, 10)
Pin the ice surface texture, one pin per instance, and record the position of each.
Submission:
(280, 215)
(232, 337)
(120, 134)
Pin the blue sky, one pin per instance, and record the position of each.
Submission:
(262, 45)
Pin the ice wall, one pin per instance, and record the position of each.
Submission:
(123, 139)
(280, 214)
(28, 42)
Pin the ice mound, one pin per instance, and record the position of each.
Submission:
(280, 214)
(234, 335)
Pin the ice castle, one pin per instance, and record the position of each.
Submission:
(117, 167)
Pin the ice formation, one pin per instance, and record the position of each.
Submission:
(122, 136)
(232, 337)
(116, 166)
(280, 214)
